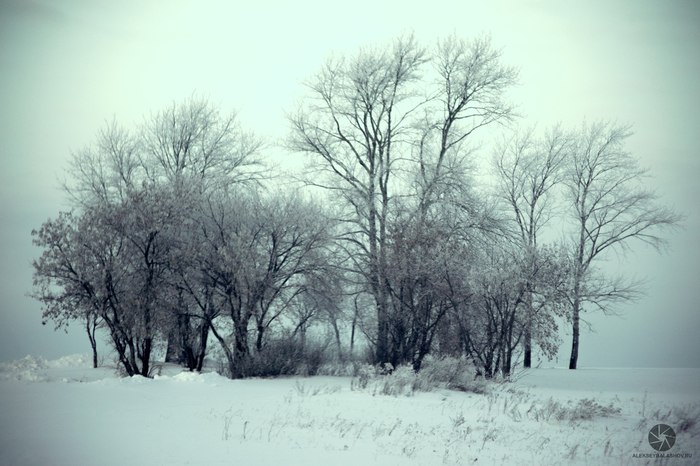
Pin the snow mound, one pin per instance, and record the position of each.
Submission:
(29, 368)
(70, 361)
(211, 378)
(37, 369)
(188, 377)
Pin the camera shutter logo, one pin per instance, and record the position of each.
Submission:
(662, 437)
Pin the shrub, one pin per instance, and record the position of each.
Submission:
(450, 373)
(588, 408)
(585, 409)
(401, 381)
(287, 357)
(364, 373)
(436, 373)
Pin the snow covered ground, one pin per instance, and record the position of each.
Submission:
(65, 413)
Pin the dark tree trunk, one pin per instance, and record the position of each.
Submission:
(573, 361)
(94, 357)
(203, 340)
(336, 331)
(145, 356)
(241, 351)
(527, 335)
(91, 327)
(259, 338)
(353, 326)
(507, 362)
(132, 358)
(527, 357)
(382, 354)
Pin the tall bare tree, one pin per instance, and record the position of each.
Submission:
(371, 117)
(196, 150)
(354, 126)
(611, 207)
(528, 170)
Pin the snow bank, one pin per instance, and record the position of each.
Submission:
(211, 378)
(74, 367)
(72, 361)
(29, 368)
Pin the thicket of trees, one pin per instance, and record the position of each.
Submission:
(177, 238)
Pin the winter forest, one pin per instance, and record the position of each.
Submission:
(431, 222)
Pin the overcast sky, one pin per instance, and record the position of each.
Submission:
(66, 67)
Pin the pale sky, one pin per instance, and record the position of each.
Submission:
(66, 67)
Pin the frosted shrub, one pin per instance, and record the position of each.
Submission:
(364, 373)
(401, 381)
(588, 408)
(450, 373)
(435, 373)
(384, 380)
(386, 369)
(287, 357)
(585, 410)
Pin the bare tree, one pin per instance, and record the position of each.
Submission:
(370, 119)
(109, 261)
(528, 170)
(354, 127)
(61, 281)
(260, 249)
(322, 300)
(421, 255)
(193, 292)
(114, 249)
(492, 319)
(195, 150)
(611, 207)
(194, 140)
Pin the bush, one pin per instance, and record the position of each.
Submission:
(287, 357)
(450, 373)
(401, 381)
(278, 357)
(586, 409)
(364, 373)
(436, 373)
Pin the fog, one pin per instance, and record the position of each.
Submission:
(67, 67)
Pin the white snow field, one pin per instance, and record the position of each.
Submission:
(65, 413)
